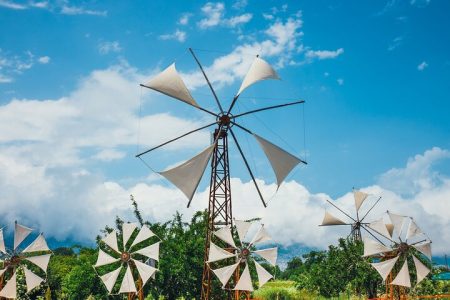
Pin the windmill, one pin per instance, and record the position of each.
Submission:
(241, 254)
(123, 257)
(32, 260)
(406, 245)
(187, 175)
(355, 223)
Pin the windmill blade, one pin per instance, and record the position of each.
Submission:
(224, 234)
(390, 229)
(145, 271)
(104, 259)
(144, 234)
(282, 162)
(422, 270)
(261, 236)
(127, 231)
(360, 197)
(225, 273)
(263, 275)
(10, 289)
(109, 279)
(41, 261)
(111, 241)
(259, 70)
(216, 253)
(39, 244)
(385, 267)
(413, 230)
(372, 247)
(245, 281)
(3, 271)
(270, 255)
(128, 285)
(379, 227)
(424, 248)
(267, 108)
(2, 242)
(242, 228)
(20, 233)
(151, 251)
(397, 221)
(170, 83)
(402, 277)
(31, 279)
(329, 220)
(187, 176)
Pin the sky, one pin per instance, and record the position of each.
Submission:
(375, 76)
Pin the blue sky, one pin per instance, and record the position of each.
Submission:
(375, 76)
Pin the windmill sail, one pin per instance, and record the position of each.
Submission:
(170, 83)
(402, 277)
(225, 273)
(385, 267)
(329, 219)
(31, 279)
(187, 176)
(41, 261)
(111, 240)
(269, 254)
(425, 248)
(224, 234)
(144, 234)
(413, 230)
(259, 70)
(380, 228)
(2, 242)
(242, 228)
(263, 275)
(39, 244)
(245, 282)
(372, 247)
(10, 289)
(109, 279)
(145, 271)
(216, 253)
(360, 197)
(422, 270)
(20, 233)
(128, 285)
(281, 161)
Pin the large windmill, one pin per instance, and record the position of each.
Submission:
(31, 260)
(355, 223)
(405, 245)
(187, 175)
(241, 254)
(123, 257)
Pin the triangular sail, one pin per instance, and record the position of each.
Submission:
(20, 233)
(385, 267)
(2, 242)
(127, 231)
(360, 197)
(245, 281)
(111, 240)
(269, 254)
(144, 234)
(397, 221)
(413, 230)
(425, 248)
(261, 236)
(259, 70)
(128, 285)
(380, 228)
(31, 279)
(145, 271)
(151, 251)
(282, 162)
(216, 253)
(104, 259)
(402, 277)
(170, 83)
(10, 289)
(39, 244)
(109, 279)
(41, 261)
(263, 275)
(225, 273)
(390, 228)
(422, 270)
(372, 247)
(224, 234)
(329, 219)
(187, 176)
(242, 228)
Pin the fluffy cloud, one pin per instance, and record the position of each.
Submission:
(109, 47)
(61, 7)
(214, 16)
(13, 65)
(178, 35)
(324, 54)
(184, 19)
(422, 66)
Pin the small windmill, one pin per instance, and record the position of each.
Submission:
(406, 245)
(187, 175)
(241, 254)
(355, 223)
(33, 260)
(123, 257)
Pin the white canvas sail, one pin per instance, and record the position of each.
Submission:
(104, 258)
(372, 247)
(360, 197)
(145, 271)
(111, 240)
(413, 230)
(39, 244)
(187, 176)
(128, 285)
(20, 233)
(32, 280)
(402, 277)
(380, 228)
(127, 231)
(385, 267)
(242, 228)
(329, 219)
(261, 236)
(259, 70)
(263, 275)
(224, 234)
(225, 273)
(144, 234)
(245, 281)
(109, 279)
(216, 253)
(269, 254)
(425, 248)
(41, 261)
(397, 221)
(10, 289)
(422, 270)
(151, 251)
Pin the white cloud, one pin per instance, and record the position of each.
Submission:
(184, 19)
(420, 3)
(12, 5)
(340, 81)
(109, 155)
(5, 79)
(13, 65)
(75, 10)
(214, 16)
(109, 47)
(395, 43)
(422, 66)
(39, 4)
(44, 59)
(268, 16)
(324, 54)
(240, 4)
(178, 35)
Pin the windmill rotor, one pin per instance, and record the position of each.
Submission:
(357, 222)
(405, 244)
(32, 260)
(121, 265)
(241, 254)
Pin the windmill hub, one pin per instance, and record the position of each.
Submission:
(403, 247)
(13, 261)
(224, 119)
(245, 253)
(125, 257)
